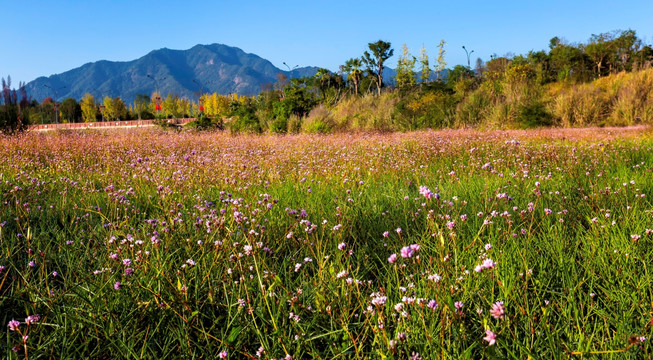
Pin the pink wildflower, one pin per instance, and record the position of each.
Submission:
(490, 337)
(425, 192)
(407, 252)
(32, 319)
(497, 310)
(13, 325)
(488, 264)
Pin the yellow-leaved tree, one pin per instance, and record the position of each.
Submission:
(89, 108)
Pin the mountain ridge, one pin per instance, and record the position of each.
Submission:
(209, 68)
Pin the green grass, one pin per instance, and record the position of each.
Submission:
(573, 283)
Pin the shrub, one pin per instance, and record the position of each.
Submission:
(633, 102)
(320, 121)
(245, 119)
(294, 124)
(279, 126)
(206, 123)
(426, 109)
(165, 125)
(473, 109)
(10, 120)
(534, 114)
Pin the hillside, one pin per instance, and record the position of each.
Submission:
(218, 68)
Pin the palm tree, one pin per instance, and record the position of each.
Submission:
(354, 72)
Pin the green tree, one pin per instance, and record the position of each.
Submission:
(599, 49)
(381, 51)
(642, 58)
(459, 73)
(425, 69)
(174, 107)
(184, 106)
(567, 61)
(440, 61)
(541, 63)
(70, 111)
(245, 118)
(323, 81)
(141, 104)
(13, 117)
(354, 72)
(626, 44)
(405, 69)
(120, 108)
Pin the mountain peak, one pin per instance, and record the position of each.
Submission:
(211, 68)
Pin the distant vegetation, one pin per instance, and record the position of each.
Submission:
(605, 81)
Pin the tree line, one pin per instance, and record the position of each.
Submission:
(421, 94)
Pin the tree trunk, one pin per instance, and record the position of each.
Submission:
(380, 76)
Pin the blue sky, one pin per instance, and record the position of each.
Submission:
(50, 37)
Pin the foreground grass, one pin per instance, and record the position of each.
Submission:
(142, 245)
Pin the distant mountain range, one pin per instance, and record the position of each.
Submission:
(210, 68)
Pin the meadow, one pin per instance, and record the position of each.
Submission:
(423, 245)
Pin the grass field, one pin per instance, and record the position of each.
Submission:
(451, 244)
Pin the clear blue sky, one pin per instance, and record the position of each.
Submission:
(41, 38)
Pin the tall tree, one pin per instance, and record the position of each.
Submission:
(354, 72)
(440, 61)
(89, 108)
(381, 51)
(405, 69)
(599, 49)
(114, 108)
(479, 67)
(141, 104)
(323, 81)
(120, 108)
(425, 69)
(70, 110)
(626, 45)
(567, 61)
(12, 119)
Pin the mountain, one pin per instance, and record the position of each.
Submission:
(211, 68)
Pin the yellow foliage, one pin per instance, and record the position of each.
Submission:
(616, 100)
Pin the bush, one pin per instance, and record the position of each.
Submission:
(534, 114)
(279, 126)
(370, 112)
(473, 109)
(206, 123)
(581, 105)
(165, 125)
(426, 109)
(319, 121)
(294, 124)
(10, 120)
(245, 119)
